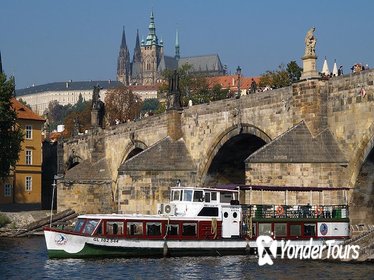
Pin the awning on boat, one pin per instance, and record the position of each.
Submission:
(280, 188)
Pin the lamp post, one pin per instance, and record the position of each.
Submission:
(238, 72)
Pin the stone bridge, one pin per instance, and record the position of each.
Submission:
(315, 133)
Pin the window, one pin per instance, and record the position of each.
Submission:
(214, 196)
(198, 196)
(209, 211)
(135, 228)
(28, 157)
(7, 190)
(225, 197)
(28, 185)
(78, 225)
(207, 197)
(172, 229)
(309, 230)
(90, 226)
(280, 229)
(28, 132)
(153, 229)
(264, 229)
(189, 229)
(175, 195)
(114, 228)
(295, 230)
(187, 195)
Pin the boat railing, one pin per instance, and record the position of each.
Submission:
(296, 211)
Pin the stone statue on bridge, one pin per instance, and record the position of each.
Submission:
(310, 42)
(98, 108)
(174, 95)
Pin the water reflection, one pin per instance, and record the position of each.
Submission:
(26, 258)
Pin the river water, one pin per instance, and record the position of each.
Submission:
(26, 258)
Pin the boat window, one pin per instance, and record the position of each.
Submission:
(225, 197)
(209, 211)
(295, 230)
(189, 229)
(135, 228)
(198, 196)
(214, 196)
(309, 230)
(187, 195)
(264, 229)
(153, 229)
(79, 225)
(99, 230)
(172, 229)
(114, 228)
(207, 197)
(280, 229)
(90, 226)
(176, 195)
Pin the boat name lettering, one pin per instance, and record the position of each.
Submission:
(107, 240)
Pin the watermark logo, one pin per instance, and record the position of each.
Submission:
(60, 239)
(310, 250)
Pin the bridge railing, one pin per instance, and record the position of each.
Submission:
(296, 211)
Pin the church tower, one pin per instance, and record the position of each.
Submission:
(152, 52)
(123, 63)
(177, 54)
(1, 65)
(136, 67)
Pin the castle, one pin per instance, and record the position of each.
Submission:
(149, 61)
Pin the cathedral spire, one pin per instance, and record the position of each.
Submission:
(1, 65)
(151, 38)
(177, 55)
(123, 42)
(137, 51)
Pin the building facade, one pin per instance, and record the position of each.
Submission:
(149, 60)
(38, 97)
(24, 184)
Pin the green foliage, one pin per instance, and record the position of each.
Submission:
(57, 113)
(80, 113)
(193, 87)
(24, 103)
(276, 79)
(150, 105)
(294, 71)
(4, 220)
(11, 133)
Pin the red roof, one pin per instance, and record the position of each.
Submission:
(24, 112)
(231, 81)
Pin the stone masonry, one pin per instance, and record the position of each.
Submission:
(338, 107)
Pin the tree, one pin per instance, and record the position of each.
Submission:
(150, 105)
(11, 134)
(121, 104)
(276, 79)
(81, 113)
(294, 71)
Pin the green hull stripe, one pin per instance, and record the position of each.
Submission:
(90, 251)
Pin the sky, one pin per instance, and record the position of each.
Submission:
(44, 41)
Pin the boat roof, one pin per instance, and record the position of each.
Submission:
(279, 188)
(217, 189)
(137, 217)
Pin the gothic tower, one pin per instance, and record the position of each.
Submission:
(123, 63)
(1, 65)
(136, 66)
(177, 55)
(152, 52)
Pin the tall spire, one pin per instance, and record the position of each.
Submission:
(151, 38)
(177, 55)
(123, 42)
(137, 51)
(1, 65)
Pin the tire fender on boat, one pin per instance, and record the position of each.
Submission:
(280, 210)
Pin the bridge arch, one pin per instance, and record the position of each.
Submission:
(362, 180)
(132, 149)
(229, 144)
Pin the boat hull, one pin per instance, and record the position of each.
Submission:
(62, 244)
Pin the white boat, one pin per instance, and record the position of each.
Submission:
(197, 221)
